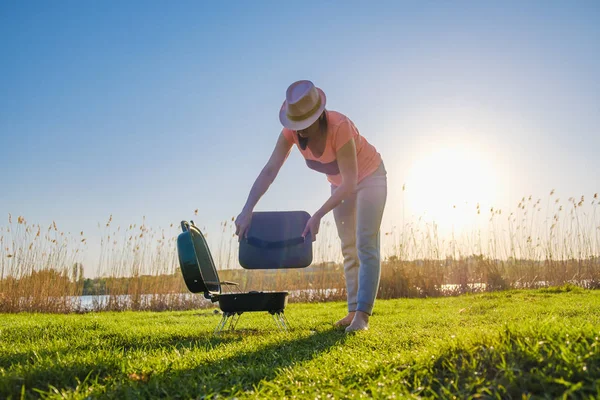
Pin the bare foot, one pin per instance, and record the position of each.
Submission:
(360, 322)
(347, 320)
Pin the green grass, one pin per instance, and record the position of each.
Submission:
(516, 344)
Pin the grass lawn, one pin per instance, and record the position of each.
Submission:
(515, 344)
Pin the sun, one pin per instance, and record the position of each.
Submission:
(446, 185)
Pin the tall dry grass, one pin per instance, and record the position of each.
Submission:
(536, 244)
(39, 269)
(531, 246)
(140, 264)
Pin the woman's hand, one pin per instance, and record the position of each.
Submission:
(312, 226)
(242, 224)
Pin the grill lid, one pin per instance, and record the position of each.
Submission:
(196, 262)
(274, 241)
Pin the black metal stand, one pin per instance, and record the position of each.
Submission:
(233, 318)
(280, 320)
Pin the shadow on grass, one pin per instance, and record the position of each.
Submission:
(229, 376)
(119, 342)
(65, 366)
(108, 375)
(59, 374)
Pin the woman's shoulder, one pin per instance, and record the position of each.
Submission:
(289, 135)
(336, 118)
(340, 124)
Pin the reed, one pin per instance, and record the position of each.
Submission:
(38, 267)
(139, 264)
(537, 244)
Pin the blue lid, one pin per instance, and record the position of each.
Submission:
(275, 241)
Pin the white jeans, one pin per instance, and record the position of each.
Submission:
(358, 221)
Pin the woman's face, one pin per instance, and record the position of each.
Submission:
(311, 131)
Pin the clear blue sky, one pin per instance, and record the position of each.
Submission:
(154, 108)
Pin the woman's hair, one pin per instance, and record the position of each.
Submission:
(323, 121)
(322, 127)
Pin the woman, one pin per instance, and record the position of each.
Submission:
(331, 144)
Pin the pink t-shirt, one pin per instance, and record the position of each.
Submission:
(340, 129)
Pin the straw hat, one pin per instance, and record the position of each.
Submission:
(304, 103)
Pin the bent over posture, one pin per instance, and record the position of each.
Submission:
(331, 144)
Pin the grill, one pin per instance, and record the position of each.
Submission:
(273, 242)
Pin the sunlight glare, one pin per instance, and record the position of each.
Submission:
(445, 186)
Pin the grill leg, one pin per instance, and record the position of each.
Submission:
(222, 323)
(234, 320)
(280, 320)
(277, 322)
(284, 321)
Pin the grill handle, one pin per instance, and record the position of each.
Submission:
(265, 244)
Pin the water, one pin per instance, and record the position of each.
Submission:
(121, 302)
(150, 301)
(153, 301)
(191, 300)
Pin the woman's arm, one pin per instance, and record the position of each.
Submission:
(346, 159)
(261, 184)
